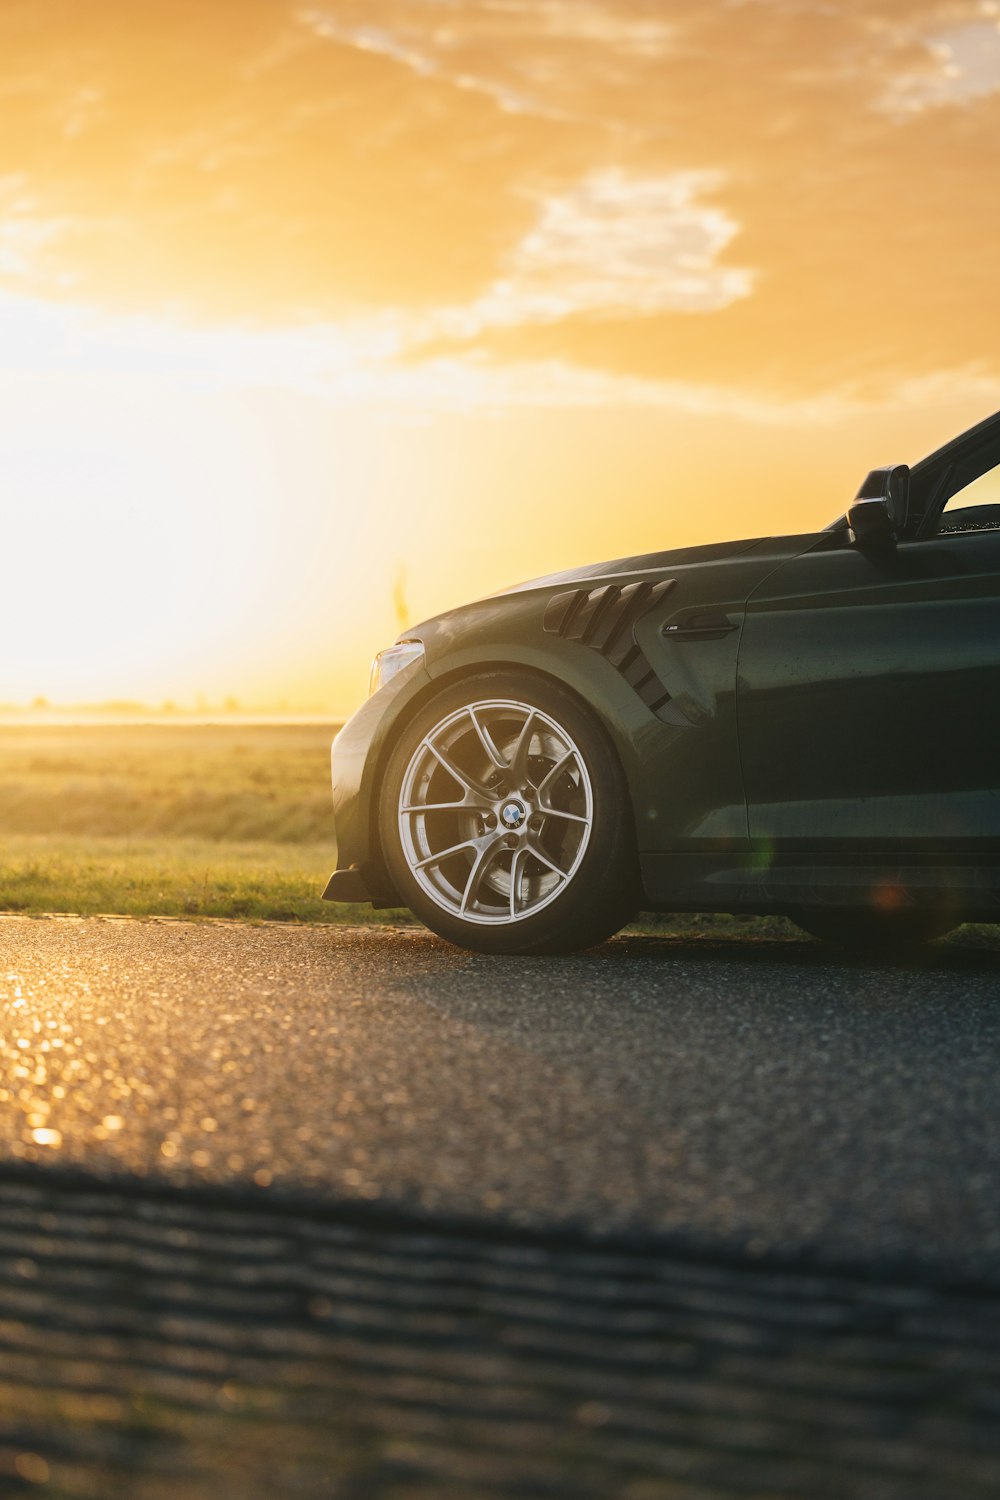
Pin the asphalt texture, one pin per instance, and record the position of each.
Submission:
(773, 1097)
(348, 1213)
(157, 1347)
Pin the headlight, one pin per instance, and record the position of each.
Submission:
(393, 660)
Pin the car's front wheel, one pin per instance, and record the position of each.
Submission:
(505, 821)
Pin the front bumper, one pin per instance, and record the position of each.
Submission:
(347, 885)
(355, 759)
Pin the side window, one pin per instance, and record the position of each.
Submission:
(976, 508)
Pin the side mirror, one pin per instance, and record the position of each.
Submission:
(872, 527)
(891, 485)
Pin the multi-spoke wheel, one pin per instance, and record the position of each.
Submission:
(505, 824)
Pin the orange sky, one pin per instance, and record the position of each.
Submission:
(314, 313)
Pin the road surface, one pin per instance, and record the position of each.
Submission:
(771, 1097)
(350, 1215)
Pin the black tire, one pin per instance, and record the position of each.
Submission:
(600, 895)
(890, 933)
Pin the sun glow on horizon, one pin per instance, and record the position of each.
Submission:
(207, 512)
(293, 299)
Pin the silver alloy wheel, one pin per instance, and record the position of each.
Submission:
(495, 811)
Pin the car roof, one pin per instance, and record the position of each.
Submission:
(988, 428)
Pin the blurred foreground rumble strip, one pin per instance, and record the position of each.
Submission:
(162, 1343)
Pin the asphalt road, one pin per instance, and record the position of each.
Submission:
(771, 1099)
(350, 1215)
(170, 1345)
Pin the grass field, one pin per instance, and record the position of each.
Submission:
(178, 820)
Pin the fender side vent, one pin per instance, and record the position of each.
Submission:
(605, 619)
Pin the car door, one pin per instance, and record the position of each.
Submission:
(868, 698)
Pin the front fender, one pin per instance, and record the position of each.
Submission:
(681, 764)
(355, 756)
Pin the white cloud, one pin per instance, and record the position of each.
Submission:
(419, 59)
(612, 245)
(21, 241)
(580, 21)
(358, 365)
(963, 64)
(25, 233)
(512, 42)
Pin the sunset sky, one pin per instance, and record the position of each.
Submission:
(317, 318)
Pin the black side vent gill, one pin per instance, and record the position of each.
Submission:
(605, 619)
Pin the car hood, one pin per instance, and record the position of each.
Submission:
(735, 568)
(648, 562)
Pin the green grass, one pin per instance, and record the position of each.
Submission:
(259, 783)
(183, 877)
(173, 820)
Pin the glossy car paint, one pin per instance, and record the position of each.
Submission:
(831, 726)
(880, 678)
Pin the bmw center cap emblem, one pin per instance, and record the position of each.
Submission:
(512, 814)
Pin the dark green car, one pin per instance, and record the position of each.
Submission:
(805, 725)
